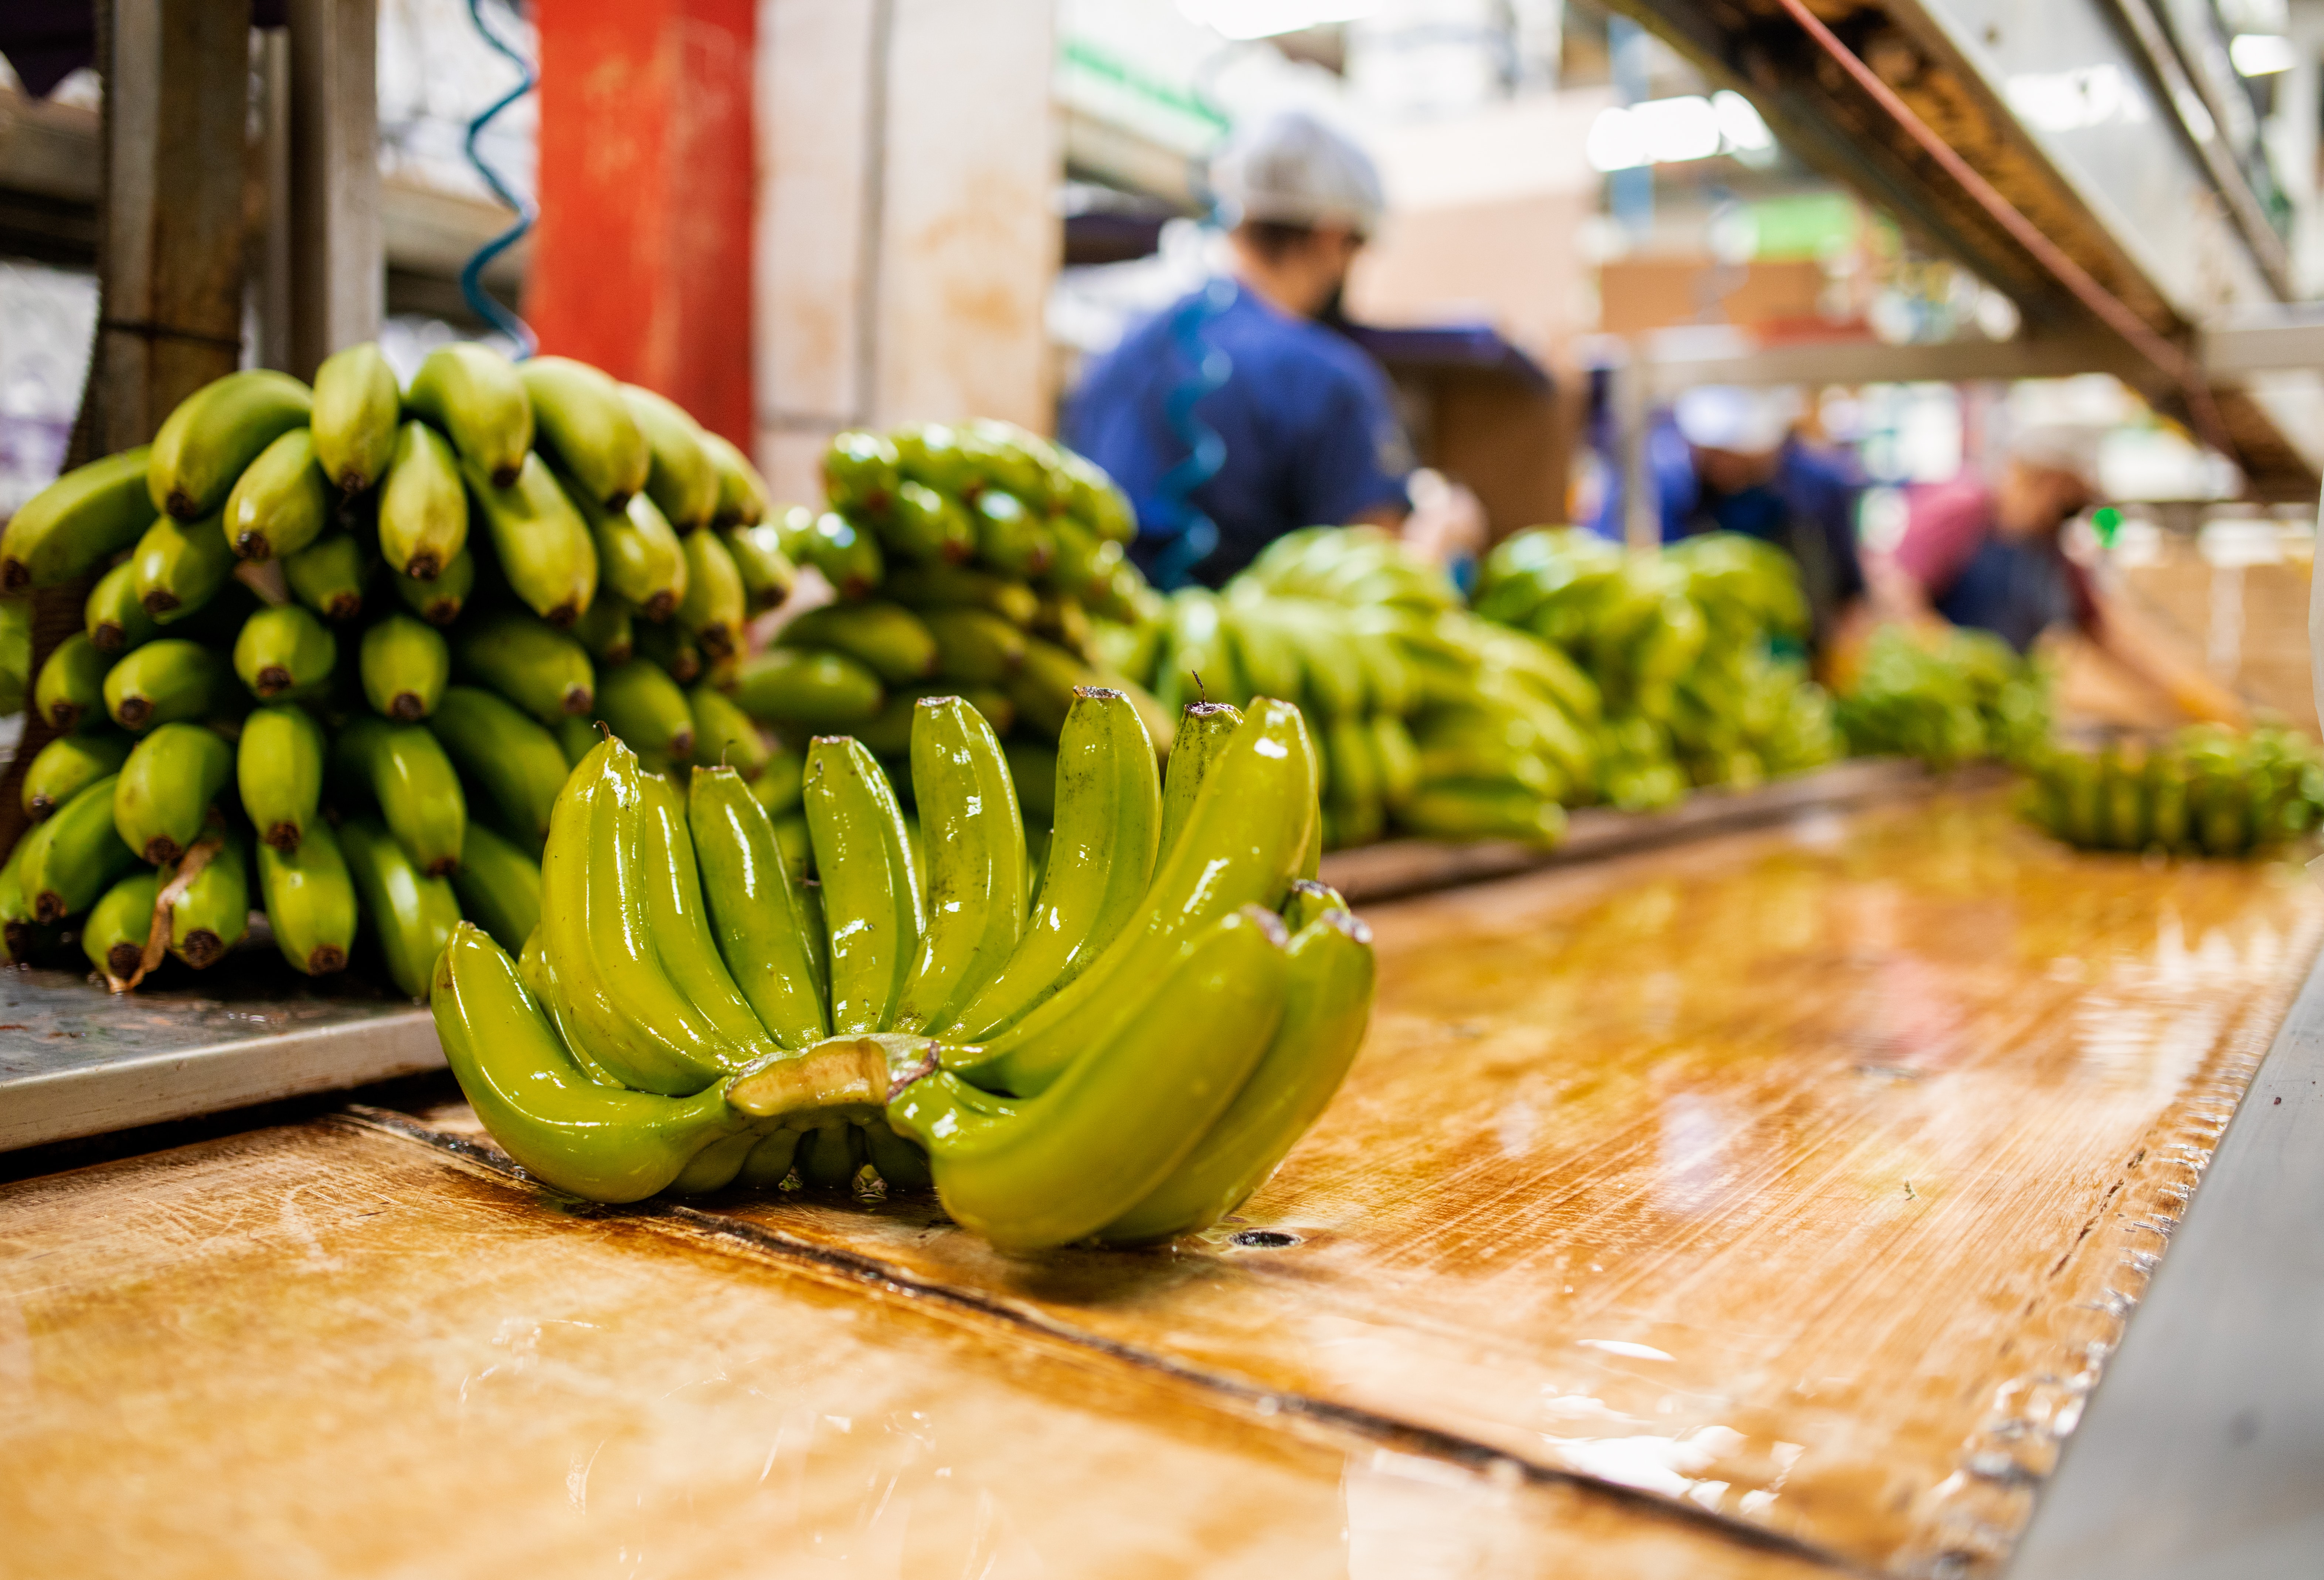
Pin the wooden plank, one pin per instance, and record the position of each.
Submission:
(338, 277)
(1805, 1176)
(2203, 1453)
(316, 1349)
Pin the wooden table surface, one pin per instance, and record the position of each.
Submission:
(1760, 1207)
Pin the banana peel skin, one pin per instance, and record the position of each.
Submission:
(791, 1043)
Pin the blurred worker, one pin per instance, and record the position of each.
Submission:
(1992, 556)
(1727, 459)
(1234, 416)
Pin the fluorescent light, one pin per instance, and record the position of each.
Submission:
(1264, 19)
(2261, 54)
(1674, 131)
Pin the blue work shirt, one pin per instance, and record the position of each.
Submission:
(1311, 434)
(1808, 508)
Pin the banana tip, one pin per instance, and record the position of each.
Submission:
(160, 600)
(38, 808)
(162, 849)
(285, 836)
(253, 546)
(324, 959)
(202, 948)
(408, 707)
(423, 567)
(47, 905)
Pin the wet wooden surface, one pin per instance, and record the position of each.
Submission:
(1761, 1205)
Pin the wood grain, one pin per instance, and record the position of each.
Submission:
(1755, 1207)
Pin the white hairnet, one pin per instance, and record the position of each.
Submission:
(2071, 448)
(1747, 422)
(1293, 169)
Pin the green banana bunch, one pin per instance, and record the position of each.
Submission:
(163, 798)
(682, 478)
(423, 505)
(583, 426)
(279, 765)
(59, 770)
(77, 523)
(309, 894)
(281, 502)
(474, 397)
(284, 652)
(1946, 702)
(206, 444)
(357, 408)
(2207, 792)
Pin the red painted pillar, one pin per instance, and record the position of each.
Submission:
(642, 261)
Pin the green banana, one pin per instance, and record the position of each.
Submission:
(743, 498)
(638, 556)
(405, 664)
(281, 502)
(328, 575)
(847, 556)
(1044, 686)
(357, 408)
(284, 651)
(924, 526)
(683, 480)
(439, 602)
(1397, 759)
(212, 912)
(162, 798)
(976, 884)
(643, 706)
(517, 766)
(77, 523)
(310, 901)
(20, 933)
(112, 617)
(475, 396)
(606, 630)
(402, 771)
(1326, 1007)
(860, 471)
(1007, 538)
(768, 574)
(1243, 844)
(581, 423)
(71, 858)
(279, 765)
(1109, 812)
(214, 436)
(538, 668)
(408, 915)
(564, 1128)
(754, 909)
(679, 919)
(886, 639)
(724, 733)
(871, 894)
(499, 888)
(614, 996)
(1203, 730)
(930, 587)
(539, 541)
(807, 690)
(114, 937)
(69, 690)
(180, 566)
(62, 769)
(780, 787)
(1060, 1166)
(1468, 810)
(712, 608)
(168, 680)
(423, 505)
(975, 645)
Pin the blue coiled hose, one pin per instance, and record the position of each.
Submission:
(472, 273)
(1172, 513)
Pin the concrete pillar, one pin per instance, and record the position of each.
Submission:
(908, 152)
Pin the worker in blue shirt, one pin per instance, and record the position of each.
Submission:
(1237, 415)
(1727, 459)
